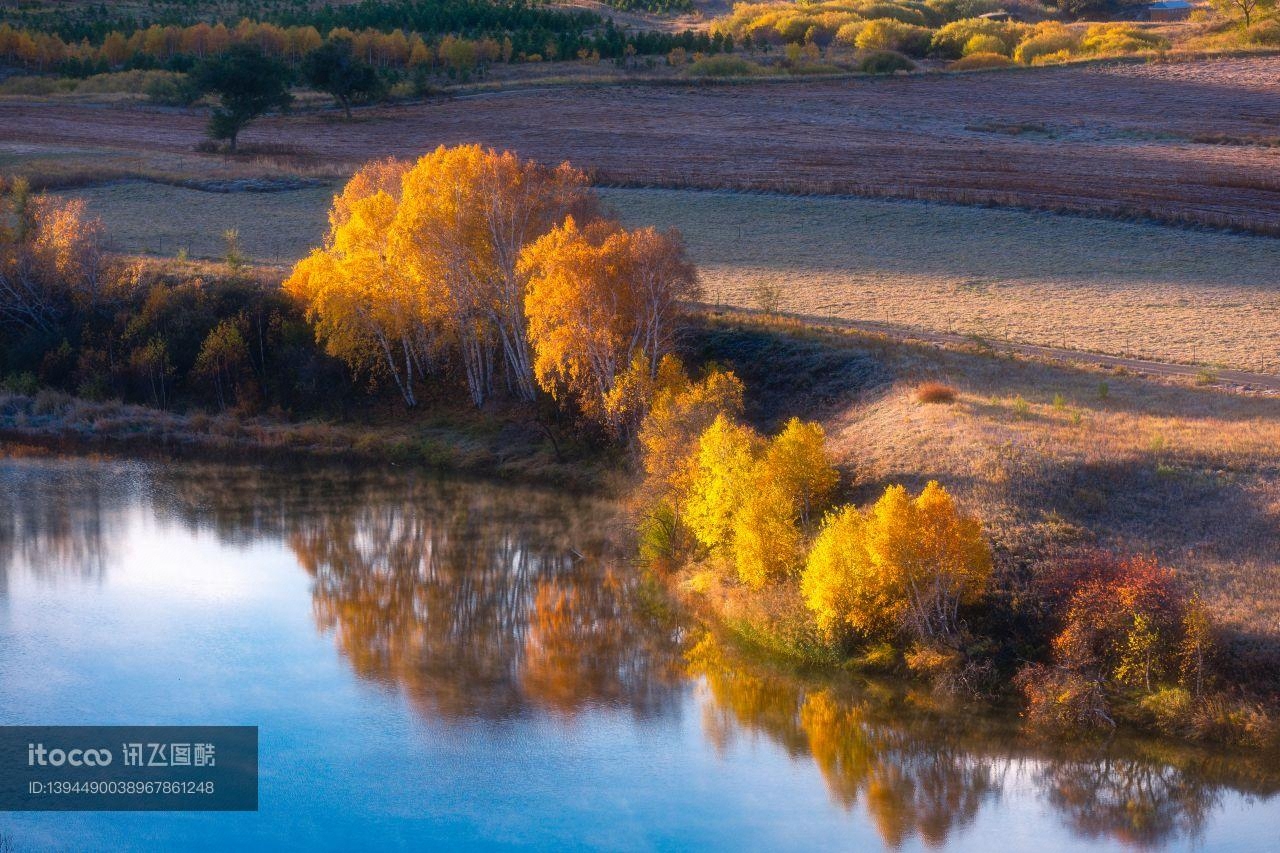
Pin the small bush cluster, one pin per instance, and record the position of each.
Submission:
(1132, 643)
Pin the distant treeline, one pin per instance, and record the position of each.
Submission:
(390, 35)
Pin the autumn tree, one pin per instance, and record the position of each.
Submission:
(224, 361)
(906, 566)
(680, 411)
(793, 477)
(466, 214)
(152, 364)
(1244, 10)
(1121, 619)
(602, 300)
(798, 460)
(51, 258)
(248, 84)
(722, 475)
(359, 299)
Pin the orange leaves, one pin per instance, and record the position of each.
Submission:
(601, 301)
(51, 258)
(1119, 616)
(480, 256)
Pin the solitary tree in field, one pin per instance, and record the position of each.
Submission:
(249, 84)
(1245, 10)
(335, 69)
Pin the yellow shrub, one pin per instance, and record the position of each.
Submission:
(886, 34)
(723, 465)
(1049, 38)
(950, 40)
(984, 44)
(906, 564)
(1120, 38)
(975, 61)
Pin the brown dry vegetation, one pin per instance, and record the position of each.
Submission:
(1050, 457)
(1096, 139)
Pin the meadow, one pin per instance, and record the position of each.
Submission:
(1121, 288)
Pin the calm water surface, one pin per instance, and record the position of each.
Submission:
(442, 664)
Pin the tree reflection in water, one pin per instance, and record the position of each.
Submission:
(53, 516)
(923, 771)
(485, 601)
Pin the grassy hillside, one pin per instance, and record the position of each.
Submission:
(1051, 458)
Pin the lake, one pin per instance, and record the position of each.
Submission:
(438, 663)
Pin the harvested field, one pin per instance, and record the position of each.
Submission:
(1123, 289)
(1114, 139)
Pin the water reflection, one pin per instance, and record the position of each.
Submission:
(921, 770)
(1141, 803)
(485, 602)
(55, 518)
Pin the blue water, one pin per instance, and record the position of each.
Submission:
(445, 665)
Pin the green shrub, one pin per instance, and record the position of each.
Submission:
(879, 657)
(885, 62)
(976, 61)
(660, 537)
(26, 85)
(886, 34)
(170, 91)
(723, 65)
(1264, 32)
(1169, 709)
(24, 383)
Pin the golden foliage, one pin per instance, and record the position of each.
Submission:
(906, 564)
(602, 300)
(722, 477)
(421, 259)
(681, 410)
(51, 258)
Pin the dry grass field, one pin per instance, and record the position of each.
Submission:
(1124, 289)
(1117, 139)
(1054, 457)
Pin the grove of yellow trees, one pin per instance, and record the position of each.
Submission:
(395, 49)
(475, 260)
(749, 504)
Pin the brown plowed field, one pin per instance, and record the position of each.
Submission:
(1106, 139)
